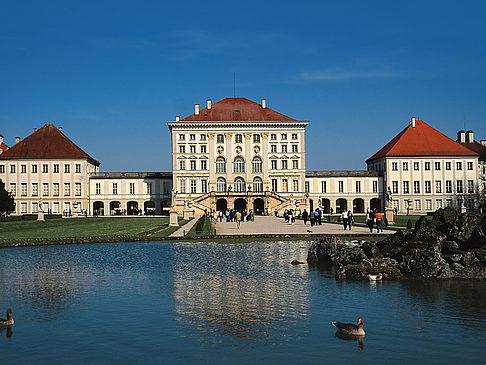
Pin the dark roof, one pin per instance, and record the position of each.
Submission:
(46, 142)
(237, 109)
(421, 140)
(133, 175)
(476, 147)
(345, 173)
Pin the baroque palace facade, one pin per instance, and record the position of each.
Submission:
(240, 154)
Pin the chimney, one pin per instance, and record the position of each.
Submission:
(1, 139)
(469, 137)
(483, 142)
(60, 129)
(264, 103)
(17, 140)
(208, 104)
(412, 122)
(461, 137)
(196, 109)
(178, 118)
(35, 129)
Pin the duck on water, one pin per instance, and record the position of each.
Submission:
(9, 321)
(350, 328)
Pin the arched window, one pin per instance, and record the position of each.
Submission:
(256, 138)
(239, 185)
(220, 138)
(239, 164)
(257, 185)
(220, 165)
(221, 185)
(256, 164)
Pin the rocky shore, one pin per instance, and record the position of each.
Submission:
(448, 245)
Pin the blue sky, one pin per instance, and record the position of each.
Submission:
(113, 72)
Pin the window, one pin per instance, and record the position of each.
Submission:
(182, 165)
(2, 169)
(375, 186)
(295, 148)
(192, 149)
(406, 187)
(221, 185)
(23, 207)
(55, 189)
(448, 166)
(220, 138)
(77, 189)
(45, 189)
(13, 189)
(204, 186)
(220, 165)
(295, 164)
(67, 168)
(182, 137)
(416, 187)
(394, 187)
(182, 149)
(396, 205)
(307, 187)
(341, 186)
(427, 166)
(257, 185)
(459, 188)
(256, 138)
(192, 164)
(285, 185)
(203, 137)
(115, 188)
(458, 165)
(132, 188)
(448, 202)
(78, 168)
(273, 137)
(283, 136)
(274, 185)
(284, 165)
(428, 187)
(12, 169)
(273, 164)
(149, 188)
(256, 164)
(56, 168)
(273, 148)
(67, 189)
(56, 208)
(193, 186)
(203, 148)
(98, 188)
(35, 189)
(323, 186)
(394, 166)
(192, 137)
(417, 205)
(45, 168)
(35, 207)
(294, 136)
(183, 185)
(23, 169)
(34, 169)
(438, 203)
(470, 166)
(204, 165)
(448, 186)
(416, 166)
(358, 186)
(239, 185)
(238, 138)
(405, 166)
(437, 166)
(438, 187)
(284, 148)
(428, 204)
(239, 164)
(295, 184)
(470, 186)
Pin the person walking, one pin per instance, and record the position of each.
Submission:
(350, 219)
(238, 219)
(305, 216)
(379, 221)
(344, 217)
(370, 219)
(319, 216)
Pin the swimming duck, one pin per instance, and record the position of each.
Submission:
(376, 277)
(350, 328)
(9, 321)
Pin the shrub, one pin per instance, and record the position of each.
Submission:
(409, 224)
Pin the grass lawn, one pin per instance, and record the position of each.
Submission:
(91, 229)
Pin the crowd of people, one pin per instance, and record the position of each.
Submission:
(231, 215)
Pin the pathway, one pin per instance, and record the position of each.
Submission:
(182, 231)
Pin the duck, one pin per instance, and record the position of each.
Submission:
(376, 277)
(9, 321)
(350, 328)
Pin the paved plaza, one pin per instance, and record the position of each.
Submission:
(265, 225)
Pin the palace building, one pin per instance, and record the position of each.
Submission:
(236, 153)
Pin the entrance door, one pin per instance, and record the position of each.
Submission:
(221, 204)
(240, 204)
(258, 206)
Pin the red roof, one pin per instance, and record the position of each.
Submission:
(46, 142)
(476, 147)
(3, 147)
(237, 109)
(422, 140)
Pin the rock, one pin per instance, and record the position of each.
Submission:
(296, 262)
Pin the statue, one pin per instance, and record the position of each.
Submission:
(389, 198)
(172, 204)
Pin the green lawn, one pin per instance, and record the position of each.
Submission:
(91, 229)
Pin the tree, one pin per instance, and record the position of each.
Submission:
(7, 203)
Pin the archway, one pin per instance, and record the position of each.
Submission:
(326, 206)
(375, 203)
(149, 208)
(98, 208)
(221, 204)
(341, 205)
(240, 204)
(132, 208)
(115, 208)
(165, 207)
(258, 206)
(358, 205)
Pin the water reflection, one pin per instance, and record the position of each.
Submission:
(9, 330)
(346, 337)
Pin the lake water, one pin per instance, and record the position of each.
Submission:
(223, 304)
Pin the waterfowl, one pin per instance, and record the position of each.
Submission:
(9, 321)
(376, 277)
(350, 328)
